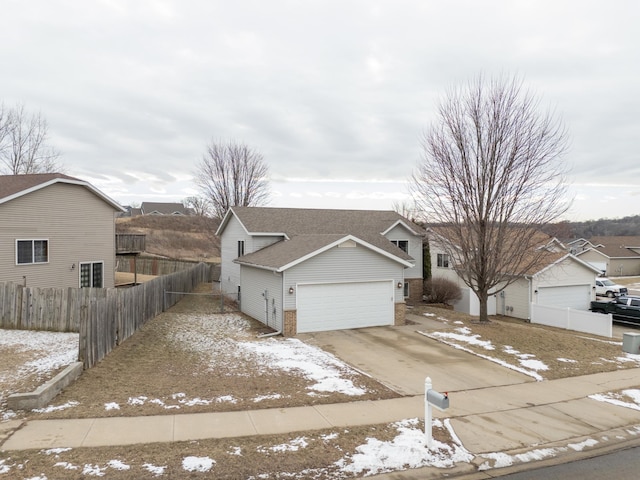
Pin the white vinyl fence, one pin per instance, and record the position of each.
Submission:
(570, 319)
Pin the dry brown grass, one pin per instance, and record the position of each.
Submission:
(237, 458)
(177, 237)
(153, 363)
(586, 353)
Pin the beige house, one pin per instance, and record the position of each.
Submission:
(615, 256)
(56, 231)
(560, 279)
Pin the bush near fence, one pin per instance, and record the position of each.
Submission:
(103, 317)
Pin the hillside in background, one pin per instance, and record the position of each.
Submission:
(173, 236)
(604, 227)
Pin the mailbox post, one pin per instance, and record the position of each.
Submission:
(436, 399)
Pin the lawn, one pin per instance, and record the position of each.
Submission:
(190, 360)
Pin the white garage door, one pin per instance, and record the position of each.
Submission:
(335, 306)
(572, 296)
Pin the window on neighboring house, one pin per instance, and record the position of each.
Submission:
(32, 251)
(402, 245)
(443, 260)
(92, 274)
(240, 248)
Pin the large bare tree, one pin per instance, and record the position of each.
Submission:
(23, 143)
(491, 176)
(232, 174)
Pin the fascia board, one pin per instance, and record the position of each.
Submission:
(338, 242)
(53, 181)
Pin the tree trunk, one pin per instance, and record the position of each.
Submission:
(483, 297)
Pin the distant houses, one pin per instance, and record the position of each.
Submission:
(158, 208)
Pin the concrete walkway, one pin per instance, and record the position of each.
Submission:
(493, 419)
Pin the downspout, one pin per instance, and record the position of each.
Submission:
(530, 295)
(279, 332)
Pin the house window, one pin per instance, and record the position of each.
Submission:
(92, 274)
(32, 251)
(406, 289)
(240, 248)
(402, 245)
(443, 260)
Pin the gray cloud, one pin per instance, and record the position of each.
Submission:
(134, 91)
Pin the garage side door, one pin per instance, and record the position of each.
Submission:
(572, 296)
(336, 306)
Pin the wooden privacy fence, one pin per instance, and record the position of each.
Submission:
(103, 317)
(159, 266)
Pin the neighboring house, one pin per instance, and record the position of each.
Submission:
(616, 256)
(157, 208)
(560, 279)
(305, 270)
(56, 231)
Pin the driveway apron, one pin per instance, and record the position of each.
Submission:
(401, 358)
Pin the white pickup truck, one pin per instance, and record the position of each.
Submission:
(605, 287)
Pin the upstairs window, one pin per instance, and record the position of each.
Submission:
(443, 260)
(32, 251)
(240, 248)
(402, 245)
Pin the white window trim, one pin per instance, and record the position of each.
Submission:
(443, 256)
(32, 250)
(397, 244)
(92, 263)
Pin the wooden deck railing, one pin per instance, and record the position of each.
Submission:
(129, 243)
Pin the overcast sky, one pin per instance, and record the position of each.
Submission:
(334, 94)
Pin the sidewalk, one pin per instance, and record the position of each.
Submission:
(486, 420)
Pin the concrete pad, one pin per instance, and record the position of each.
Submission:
(366, 413)
(402, 358)
(285, 420)
(50, 434)
(129, 430)
(197, 426)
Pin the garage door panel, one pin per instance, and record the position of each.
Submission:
(571, 296)
(338, 306)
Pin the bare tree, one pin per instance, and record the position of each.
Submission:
(491, 177)
(23, 143)
(200, 205)
(232, 174)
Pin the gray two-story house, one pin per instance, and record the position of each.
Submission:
(305, 270)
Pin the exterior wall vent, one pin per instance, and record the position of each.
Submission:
(347, 244)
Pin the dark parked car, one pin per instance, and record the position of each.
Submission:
(623, 309)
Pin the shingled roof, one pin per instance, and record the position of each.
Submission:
(14, 186)
(617, 247)
(307, 232)
(298, 221)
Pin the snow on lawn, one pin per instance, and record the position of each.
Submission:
(46, 353)
(528, 364)
(292, 355)
(626, 398)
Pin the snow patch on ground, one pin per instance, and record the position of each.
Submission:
(291, 354)
(197, 464)
(619, 399)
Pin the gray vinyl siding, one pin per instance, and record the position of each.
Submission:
(255, 284)
(259, 242)
(515, 295)
(415, 249)
(229, 271)
(79, 226)
(231, 235)
(337, 264)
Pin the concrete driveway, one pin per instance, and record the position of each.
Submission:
(401, 358)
